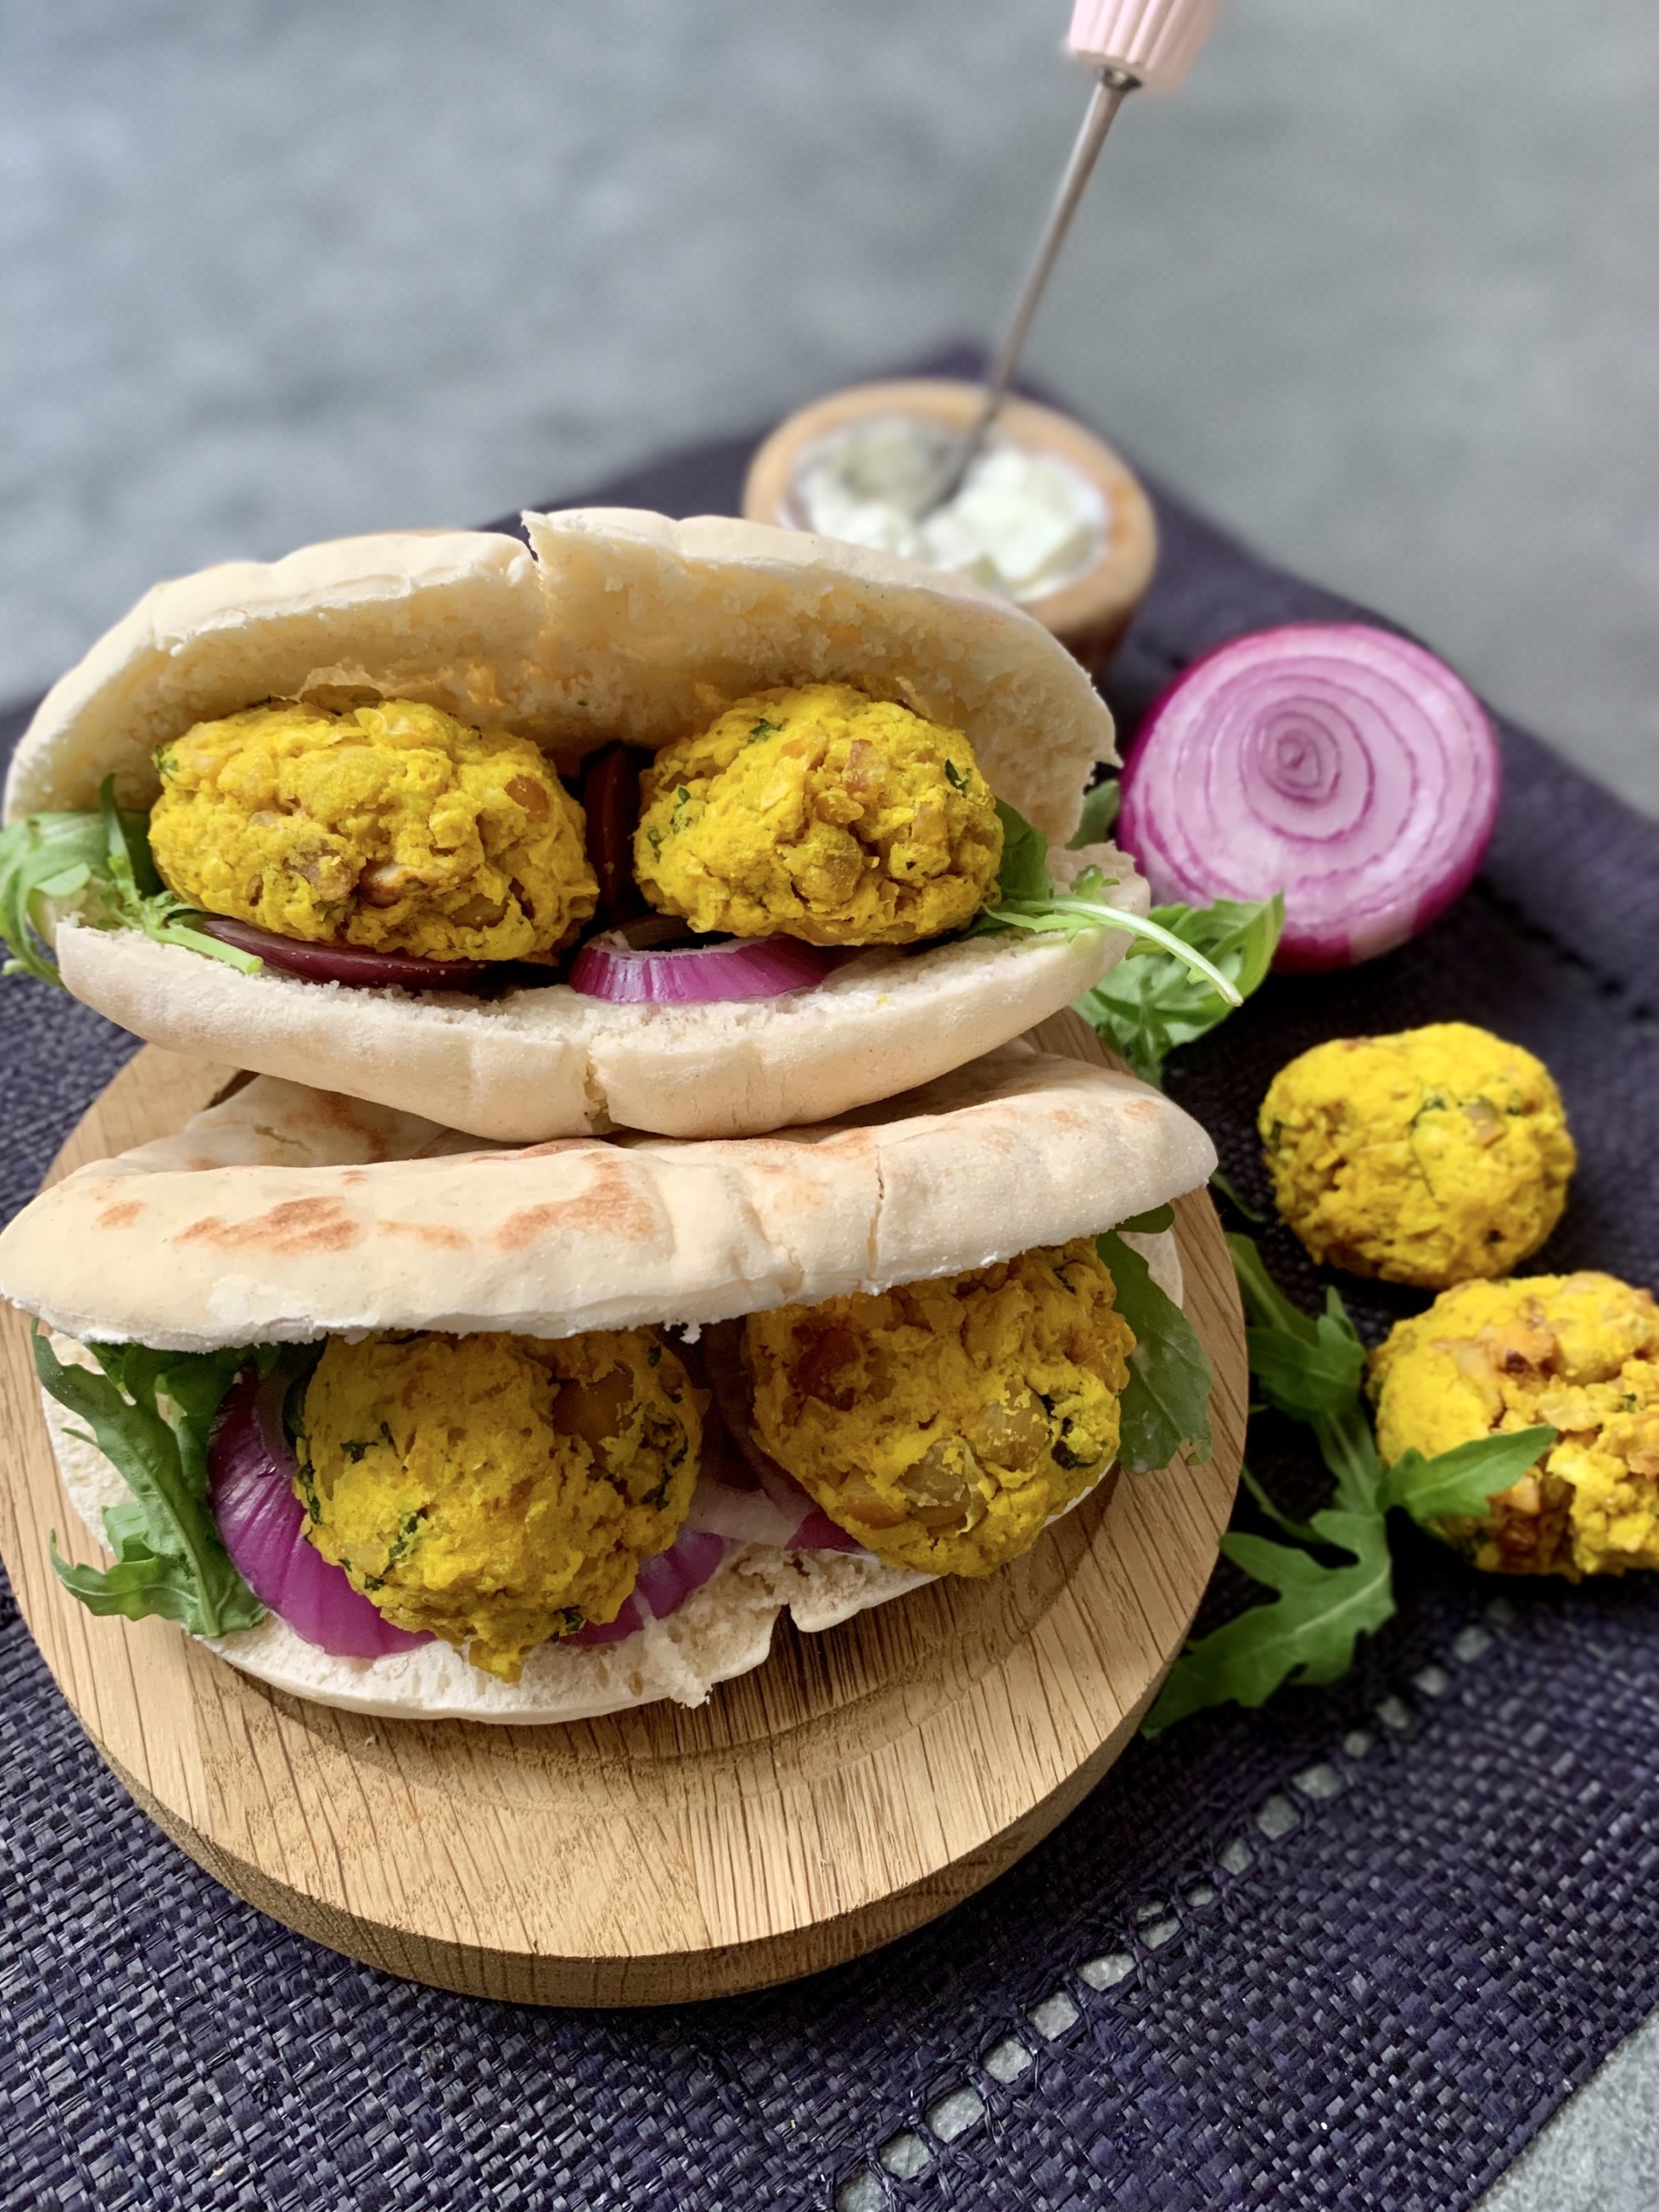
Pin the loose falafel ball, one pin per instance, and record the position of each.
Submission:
(944, 1424)
(1579, 1351)
(393, 826)
(497, 1490)
(821, 814)
(1424, 1157)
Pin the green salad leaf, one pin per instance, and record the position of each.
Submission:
(1456, 1484)
(100, 857)
(1159, 996)
(151, 1414)
(1100, 812)
(1167, 1401)
(1307, 1634)
(1027, 899)
(1310, 1368)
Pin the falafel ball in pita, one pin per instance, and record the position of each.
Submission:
(702, 828)
(402, 1423)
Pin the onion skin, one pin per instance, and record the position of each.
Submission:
(698, 975)
(261, 1525)
(1338, 763)
(346, 963)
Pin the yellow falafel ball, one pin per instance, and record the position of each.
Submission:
(1426, 1157)
(392, 826)
(819, 813)
(944, 1424)
(1580, 1352)
(498, 1489)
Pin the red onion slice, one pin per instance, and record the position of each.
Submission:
(261, 1521)
(610, 801)
(343, 963)
(615, 967)
(663, 1584)
(1344, 766)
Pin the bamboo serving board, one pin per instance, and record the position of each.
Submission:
(858, 1784)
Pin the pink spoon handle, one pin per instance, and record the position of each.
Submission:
(1154, 41)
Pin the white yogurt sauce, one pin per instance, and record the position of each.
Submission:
(1023, 523)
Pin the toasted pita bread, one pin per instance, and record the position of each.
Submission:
(229, 1232)
(613, 624)
(284, 1215)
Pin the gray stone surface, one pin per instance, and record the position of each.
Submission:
(1380, 288)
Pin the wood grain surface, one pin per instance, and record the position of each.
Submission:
(859, 1783)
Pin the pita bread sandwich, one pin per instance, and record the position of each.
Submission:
(700, 828)
(399, 1423)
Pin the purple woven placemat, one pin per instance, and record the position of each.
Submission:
(1352, 1952)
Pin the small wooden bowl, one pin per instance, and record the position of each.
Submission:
(1089, 615)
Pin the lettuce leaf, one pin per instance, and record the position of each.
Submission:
(102, 859)
(1166, 1402)
(169, 1557)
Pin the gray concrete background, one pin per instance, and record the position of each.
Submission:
(1379, 289)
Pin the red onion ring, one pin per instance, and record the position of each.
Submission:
(621, 969)
(610, 800)
(344, 963)
(1339, 764)
(262, 1522)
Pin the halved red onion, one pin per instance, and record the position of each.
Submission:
(344, 963)
(627, 968)
(663, 1584)
(1341, 764)
(610, 800)
(262, 1522)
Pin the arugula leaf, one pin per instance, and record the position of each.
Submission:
(1166, 1402)
(1024, 873)
(1307, 1634)
(1159, 996)
(1460, 1484)
(1222, 1183)
(168, 1556)
(1100, 811)
(1310, 1368)
(1027, 899)
(103, 857)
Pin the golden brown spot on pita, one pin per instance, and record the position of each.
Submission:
(610, 1203)
(434, 1233)
(295, 1225)
(1141, 1109)
(355, 1176)
(119, 1216)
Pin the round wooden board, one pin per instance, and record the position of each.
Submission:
(858, 1784)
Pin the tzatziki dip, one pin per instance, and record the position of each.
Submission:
(1023, 523)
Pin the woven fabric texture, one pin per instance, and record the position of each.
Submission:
(1349, 1952)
